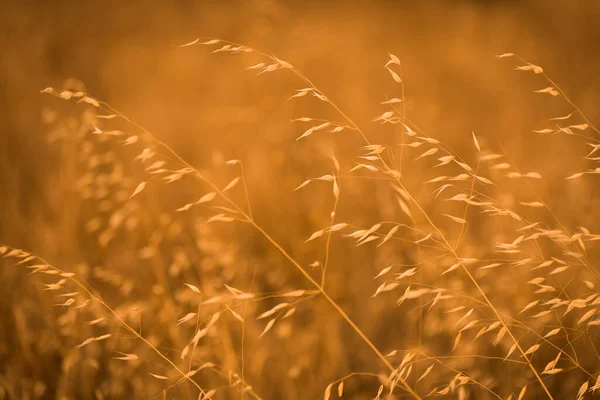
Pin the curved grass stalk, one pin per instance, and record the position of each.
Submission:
(421, 210)
(121, 321)
(270, 239)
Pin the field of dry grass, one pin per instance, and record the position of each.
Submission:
(376, 202)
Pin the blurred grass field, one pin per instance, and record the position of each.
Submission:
(143, 266)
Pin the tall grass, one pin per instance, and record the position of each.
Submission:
(405, 270)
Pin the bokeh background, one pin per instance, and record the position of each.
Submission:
(209, 110)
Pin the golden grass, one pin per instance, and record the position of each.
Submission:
(480, 289)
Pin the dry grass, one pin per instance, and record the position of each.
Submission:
(373, 262)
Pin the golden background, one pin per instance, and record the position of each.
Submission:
(209, 110)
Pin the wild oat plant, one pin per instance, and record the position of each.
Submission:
(420, 273)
